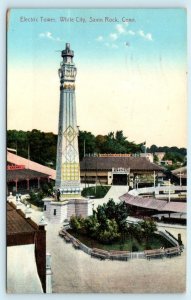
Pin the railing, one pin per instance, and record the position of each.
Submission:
(137, 255)
(173, 237)
(170, 238)
(123, 255)
(158, 189)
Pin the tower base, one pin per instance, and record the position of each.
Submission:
(61, 211)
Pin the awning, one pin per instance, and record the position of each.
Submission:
(151, 203)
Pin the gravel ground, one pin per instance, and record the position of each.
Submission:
(76, 272)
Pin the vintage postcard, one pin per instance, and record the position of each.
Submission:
(96, 150)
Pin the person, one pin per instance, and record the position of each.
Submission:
(58, 195)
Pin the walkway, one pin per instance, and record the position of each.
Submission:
(76, 272)
(114, 192)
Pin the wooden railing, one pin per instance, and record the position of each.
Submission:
(117, 254)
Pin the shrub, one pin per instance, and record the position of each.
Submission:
(110, 233)
(97, 192)
(35, 199)
(77, 224)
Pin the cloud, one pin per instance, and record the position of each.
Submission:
(111, 45)
(48, 35)
(120, 29)
(99, 38)
(147, 36)
(131, 32)
(113, 36)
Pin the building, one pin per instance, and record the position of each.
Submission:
(160, 155)
(166, 162)
(26, 253)
(117, 170)
(180, 176)
(141, 207)
(149, 156)
(24, 174)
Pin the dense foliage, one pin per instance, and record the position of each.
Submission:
(109, 223)
(177, 155)
(41, 146)
(38, 146)
(36, 198)
(166, 149)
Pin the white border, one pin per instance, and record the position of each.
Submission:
(94, 4)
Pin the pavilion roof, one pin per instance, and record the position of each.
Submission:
(24, 174)
(107, 163)
(152, 203)
(180, 172)
(29, 164)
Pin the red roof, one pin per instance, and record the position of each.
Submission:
(29, 164)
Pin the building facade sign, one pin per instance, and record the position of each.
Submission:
(17, 167)
(121, 171)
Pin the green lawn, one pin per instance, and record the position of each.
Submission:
(155, 242)
(97, 192)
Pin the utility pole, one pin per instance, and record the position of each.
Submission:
(96, 177)
(84, 147)
(28, 154)
(169, 191)
(180, 176)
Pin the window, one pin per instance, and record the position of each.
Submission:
(44, 207)
(54, 212)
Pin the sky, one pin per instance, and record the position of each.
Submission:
(132, 71)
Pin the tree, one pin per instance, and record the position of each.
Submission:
(91, 226)
(134, 230)
(153, 149)
(155, 158)
(120, 138)
(100, 143)
(77, 223)
(174, 156)
(121, 216)
(87, 143)
(148, 227)
(110, 209)
(101, 216)
(110, 233)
